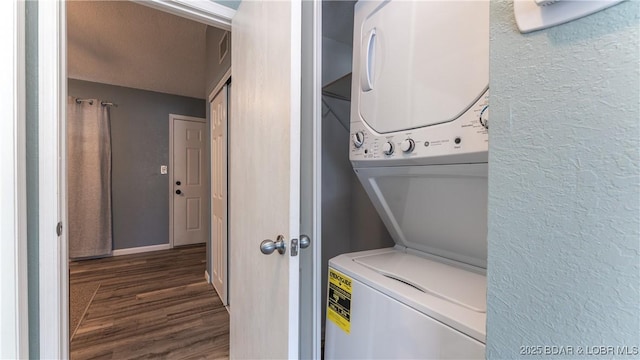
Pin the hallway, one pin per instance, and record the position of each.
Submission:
(151, 305)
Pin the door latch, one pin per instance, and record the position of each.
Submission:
(59, 228)
(294, 247)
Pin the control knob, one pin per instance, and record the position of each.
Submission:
(387, 148)
(408, 145)
(358, 139)
(484, 117)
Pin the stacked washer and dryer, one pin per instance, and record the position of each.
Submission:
(419, 123)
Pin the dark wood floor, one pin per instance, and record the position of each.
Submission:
(152, 305)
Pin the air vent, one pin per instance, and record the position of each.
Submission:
(224, 47)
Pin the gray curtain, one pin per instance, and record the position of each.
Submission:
(89, 178)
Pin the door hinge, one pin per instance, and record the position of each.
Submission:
(59, 228)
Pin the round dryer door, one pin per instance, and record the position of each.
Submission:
(420, 63)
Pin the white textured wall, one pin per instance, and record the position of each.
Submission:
(564, 258)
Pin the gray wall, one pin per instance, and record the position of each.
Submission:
(336, 60)
(564, 195)
(214, 71)
(337, 37)
(229, 3)
(140, 144)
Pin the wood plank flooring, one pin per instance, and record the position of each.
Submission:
(150, 306)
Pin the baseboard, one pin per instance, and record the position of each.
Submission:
(206, 276)
(141, 249)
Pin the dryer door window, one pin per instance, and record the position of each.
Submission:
(421, 63)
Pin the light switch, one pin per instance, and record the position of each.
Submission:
(163, 169)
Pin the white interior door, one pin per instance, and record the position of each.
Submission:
(219, 239)
(264, 178)
(189, 186)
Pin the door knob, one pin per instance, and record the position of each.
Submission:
(305, 241)
(178, 192)
(268, 246)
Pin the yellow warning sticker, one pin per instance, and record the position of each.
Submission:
(339, 303)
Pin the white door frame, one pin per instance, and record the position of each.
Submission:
(224, 81)
(172, 118)
(14, 313)
(221, 83)
(52, 88)
(52, 94)
(318, 297)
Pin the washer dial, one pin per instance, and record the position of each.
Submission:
(484, 117)
(387, 148)
(358, 139)
(408, 145)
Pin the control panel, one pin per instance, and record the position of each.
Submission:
(468, 134)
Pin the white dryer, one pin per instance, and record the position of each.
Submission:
(419, 120)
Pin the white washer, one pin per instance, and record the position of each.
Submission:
(406, 306)
(419, 120)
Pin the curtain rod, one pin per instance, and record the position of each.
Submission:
(90, 101)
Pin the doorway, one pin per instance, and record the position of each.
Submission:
(160, 180)
(219, 112)
(188, 192)
(52, 50)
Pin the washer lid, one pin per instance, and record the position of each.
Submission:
(421, 63)
(447, 282)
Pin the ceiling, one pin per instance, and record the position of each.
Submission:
(127, 44)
